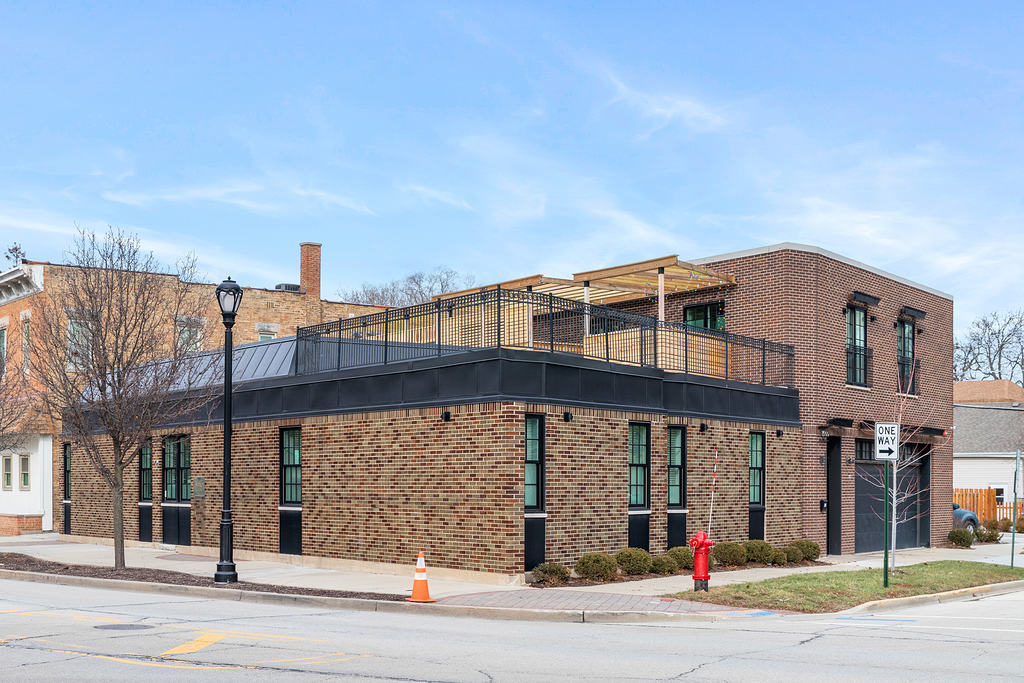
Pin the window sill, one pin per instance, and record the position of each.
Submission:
(535, 515)
(678, 511)
(145, 503)
(175, 505)
(858, 387)
(646, 511)
(296, 508)
(914, 396)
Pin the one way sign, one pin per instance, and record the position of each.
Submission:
(887, 440)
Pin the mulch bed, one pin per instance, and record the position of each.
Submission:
(27, 563)
(623, 578)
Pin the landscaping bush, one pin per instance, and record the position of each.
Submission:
(779, 557)
(794, 553)
(664, 564)
(987, 535)
(991, 524)
(1020, 524)
(1005, 523)
(550, 574)
(634, 561)
(810, 549)
(961, 537)
(596, 567)
(683, 555)
(729, 554)
(759, 551)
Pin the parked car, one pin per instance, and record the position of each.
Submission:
(964, 519)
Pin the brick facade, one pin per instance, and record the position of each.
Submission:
(796, 296)
(381, 486)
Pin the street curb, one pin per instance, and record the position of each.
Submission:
(362, 604)
(937, 598)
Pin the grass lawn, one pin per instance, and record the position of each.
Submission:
(834, 591)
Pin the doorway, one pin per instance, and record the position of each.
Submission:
(834, 495)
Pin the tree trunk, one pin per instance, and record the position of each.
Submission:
(118, 516)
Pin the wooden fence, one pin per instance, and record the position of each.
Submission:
(981, 502)
(1005, 510)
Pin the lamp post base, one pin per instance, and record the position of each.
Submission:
(225, 573)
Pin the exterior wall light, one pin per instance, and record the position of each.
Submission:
(446, 416)
(703, 427)
(567, 416)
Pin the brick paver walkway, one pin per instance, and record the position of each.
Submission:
(539, 598)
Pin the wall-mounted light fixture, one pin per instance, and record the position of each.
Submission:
(703, 427)
(778, 433)
(446, 416)
(567, 416)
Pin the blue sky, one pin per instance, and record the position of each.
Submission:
(509, 139)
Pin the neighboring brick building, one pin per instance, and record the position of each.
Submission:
(268, 314)
(523, 422)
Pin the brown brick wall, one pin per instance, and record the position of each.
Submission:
(382, 486)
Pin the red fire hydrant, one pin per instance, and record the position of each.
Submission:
(702, 546)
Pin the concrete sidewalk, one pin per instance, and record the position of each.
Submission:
(625, 596)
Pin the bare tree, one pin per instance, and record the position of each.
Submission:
(905, 492)
(14, 254)
(108, 352)
(410, 290)
(993, 348)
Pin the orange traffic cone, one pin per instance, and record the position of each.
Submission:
(420, 593)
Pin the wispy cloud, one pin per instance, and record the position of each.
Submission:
(331, 199)
(665, 109)
(431, 194)
(252, 195)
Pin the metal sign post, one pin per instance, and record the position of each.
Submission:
(1013, 532)
(887, 449)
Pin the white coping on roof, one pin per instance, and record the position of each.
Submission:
(983, 406)
(793, 246)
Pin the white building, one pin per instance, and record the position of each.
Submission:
(989, 428)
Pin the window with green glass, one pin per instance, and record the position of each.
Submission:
(709, 316)
(533, 484)
(757, 468)
(639, 464)
(146, 471)
(177, 469)
(677, 467)
(291, 466)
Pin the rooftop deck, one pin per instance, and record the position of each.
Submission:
(536, 321)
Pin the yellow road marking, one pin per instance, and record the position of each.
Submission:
(202, 641)
(162, 665)
(245, 634)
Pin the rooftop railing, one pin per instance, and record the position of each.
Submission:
(519, 319)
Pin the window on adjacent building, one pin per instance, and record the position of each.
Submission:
(533, 489)
(8, 475)
(291, 466)
(757, 468)
(1000, 494)
(639, 464)
(189, 336)
(24, 476)
(865, 449)
(3, 351)
(267, 336)
(26, 344)
(677, 467)
(177, 469)
(710, 316)
(79, 343)
(67, 472)
(146, 471)
(856, 346)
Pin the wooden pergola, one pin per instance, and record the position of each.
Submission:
(653, 278)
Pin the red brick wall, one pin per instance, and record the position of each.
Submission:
(14, 525)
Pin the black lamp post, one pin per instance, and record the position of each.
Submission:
(229, 296)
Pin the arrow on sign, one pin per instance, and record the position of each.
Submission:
(887, 451)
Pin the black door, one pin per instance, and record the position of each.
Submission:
(145, 522)
(676, 529)
(177, 500)
(755, 527)
(177, 520)
(290, 542)
(67, 516)
(834, 492)
(533, 536)
(639, 535)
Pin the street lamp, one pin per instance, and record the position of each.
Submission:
(229, 296)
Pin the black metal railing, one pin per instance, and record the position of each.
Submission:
(520, 319)
(908, 370)
(858, 365)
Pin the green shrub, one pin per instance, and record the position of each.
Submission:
(729, 554)
(596, 567)
(1004, 524)
(1020, 524)
(551, 574)
(987, 535)
(634, 561)
(759, 551)
(664, 564)
(779, 557)
(961, 537)
(809, 548)
(683, 555)
(991, 524)
(793, 553)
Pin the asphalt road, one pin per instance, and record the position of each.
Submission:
(57, 632)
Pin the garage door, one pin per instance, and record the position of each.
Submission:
(912, 533)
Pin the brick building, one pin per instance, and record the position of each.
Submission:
(543, 418)
(26, 504)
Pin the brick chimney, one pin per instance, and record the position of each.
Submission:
(309, 269)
